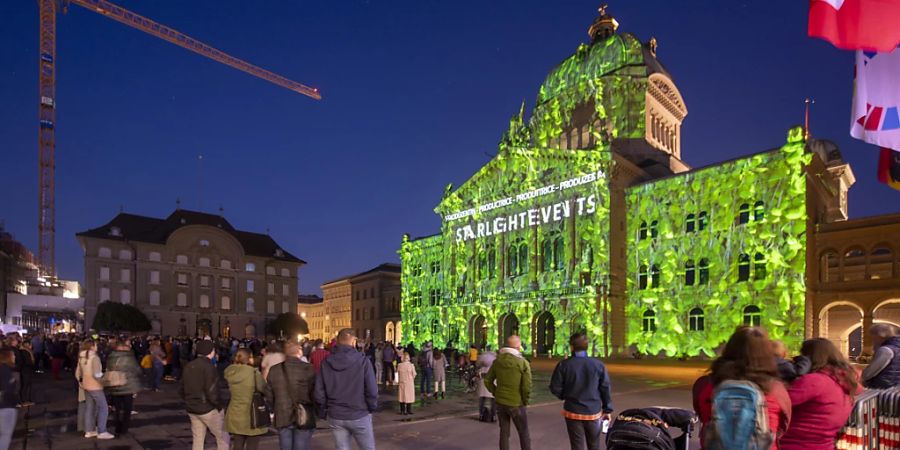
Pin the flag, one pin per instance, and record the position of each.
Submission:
(876, 100)
(856, 24)
(889, 168)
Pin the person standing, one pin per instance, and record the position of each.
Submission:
(121, 359)
(158, 359)
(483, 365)
(509, 380)
(318, 355)
(426, 363)
(884, 370)
(387, 362)
(27, 373)
(406, 391)
(347, 394)
(377, 362)
(274, 355)
(473, 354)
(583, 384)
(440, 373)
(57, 356)
(290, 383)
(37, 347)
(243, 381)
(89, 372)
(200, 392)
(9, 397)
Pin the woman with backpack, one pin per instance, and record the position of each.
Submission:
(746, 370)
(822, 400)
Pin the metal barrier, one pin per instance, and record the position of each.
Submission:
(874, 422)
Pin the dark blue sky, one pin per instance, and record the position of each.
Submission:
(415, 93)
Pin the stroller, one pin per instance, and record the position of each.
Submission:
(648, 429)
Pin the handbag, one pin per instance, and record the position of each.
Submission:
(259, 412)
(304, 416)
(114, 378)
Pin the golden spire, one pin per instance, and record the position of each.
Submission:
(604, 25)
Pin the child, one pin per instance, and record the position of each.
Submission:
(789, 370)
(406, 393)
(440, 374)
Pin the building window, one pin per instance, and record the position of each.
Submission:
(743, 213)
(435, 327)
(204, 243)
(154, 298)
(125, 296)
(250, 306)
(703, 270)
(226, 302)
(752, 316)
(155, 256)
(759, 266)
(204, 262)
(104, 252)
(125, 275)
(654, 229)
(225, 264)
(285, 290)
(286, 307)
(204, 301)
(270, 270)
(434, 297)
(182, 279)
(104, 273)
(250, 267)
(654, 276)
(689, 273)
(115, 231)
(372, 313)
(759, 211)
(643, 275)
(204, 281)
(104, 294)
(702, 220)
(371, 292)
(270, 288)
(690, 223)
(226, 283)
(181, 299)
(125, 255)
(285, 272)
(251, 285)
(648, 321)
(435, 267)
(154, 277)
(642, 231)
(181, 259)
(695, 320)
(743, 267)
(270, 307)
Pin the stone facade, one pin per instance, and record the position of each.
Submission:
(191, 273)
(368, 302)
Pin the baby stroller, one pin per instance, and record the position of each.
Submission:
(648, 429)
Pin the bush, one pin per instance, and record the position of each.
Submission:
(115, 317)
(288, 324)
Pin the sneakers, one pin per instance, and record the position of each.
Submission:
(105, 435)
(90, 434)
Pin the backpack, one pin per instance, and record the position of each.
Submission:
(422, 360)
(639, 429)
(146, 362)
(739, 418)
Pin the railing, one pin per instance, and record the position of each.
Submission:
(874, 422)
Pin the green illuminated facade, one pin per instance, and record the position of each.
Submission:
(587, 219)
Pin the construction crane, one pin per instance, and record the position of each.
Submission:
(47, 107)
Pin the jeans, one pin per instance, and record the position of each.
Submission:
(359, 429)
(156, 375)
(214, 421)
(425, 381)
(584, 433)
(122, 415)
(96, 411)
(519, 419)
(379, 372)
(293, 438)
(492, 401)
(8, 418)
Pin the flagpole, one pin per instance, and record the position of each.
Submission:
(808, 101)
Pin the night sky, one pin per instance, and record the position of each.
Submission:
(416, 95)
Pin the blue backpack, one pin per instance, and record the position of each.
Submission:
(740, 418)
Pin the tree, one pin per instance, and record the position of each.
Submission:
(288, 324)
(116, 317)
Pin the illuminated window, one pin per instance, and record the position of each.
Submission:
(690, 223)
(759, 211)
(743, 267)
(702, 220)
(204, 243)
(695, 320)
(689, 273)
(642, 231)
(703, 269)
(648, 321)
(250, 306)
(251, 285)
(654, 229)
(743, 213)
(752, 316)
(250, 267)
(643, 275)
(654, 276)
(759, 266)
(226, 283)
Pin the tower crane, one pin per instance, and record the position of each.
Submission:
(47, 106)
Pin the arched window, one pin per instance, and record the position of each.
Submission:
(743, 213)
(690, 223)
(513, 266)
(642, 231)
(523, 259)
(759, 211)
(491, 261)
(743, 267)
(689, 273)
(654, 229)
(434, 297)
(759, 266)
(881, 262)
(435, 327)
(642, 277)
(703, 269)
(752, 316)
(654, 276)
(587, 254)
(702, 220)
(695, 320)
(830, 267)
(648, 321)
(559, 253)
(547, 254)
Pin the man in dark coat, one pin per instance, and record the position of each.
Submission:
(200, 391)
(121, 359)
(884, 370)
(291, 382)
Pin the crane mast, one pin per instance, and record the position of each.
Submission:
(47, 106)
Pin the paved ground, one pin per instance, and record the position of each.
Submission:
(438, 424)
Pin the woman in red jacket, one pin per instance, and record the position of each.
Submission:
(822, 400)
(747, 356)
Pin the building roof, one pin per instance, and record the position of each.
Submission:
(133, 227)
(384, 267)
(309, 299)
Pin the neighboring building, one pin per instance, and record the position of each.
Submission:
(588, 219)
(191, 273)
(368, 302)
(312, 310)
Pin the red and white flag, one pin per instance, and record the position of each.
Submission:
(876, 100)
(856, 24)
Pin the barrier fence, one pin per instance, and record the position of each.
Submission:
(874, 422)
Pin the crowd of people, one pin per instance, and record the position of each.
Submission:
(239, 390)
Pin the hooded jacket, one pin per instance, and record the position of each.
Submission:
(512, 375)
(124, 361)
(345, 388)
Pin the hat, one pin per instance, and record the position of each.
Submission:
(205, 347)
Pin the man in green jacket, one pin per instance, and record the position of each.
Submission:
(509, 379)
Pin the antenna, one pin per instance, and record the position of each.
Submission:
(200, 182)
(808, 101)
